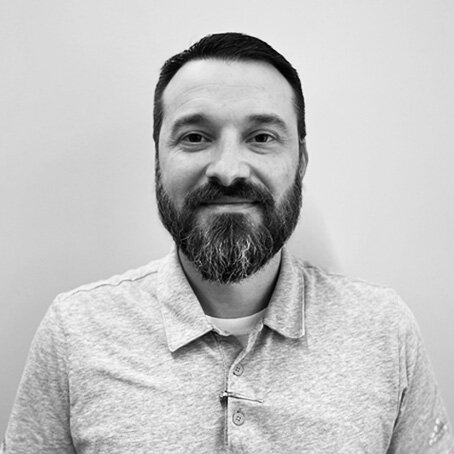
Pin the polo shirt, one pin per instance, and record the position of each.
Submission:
(239, 327)
(131, 365)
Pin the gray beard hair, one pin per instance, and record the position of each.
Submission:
(229, 247)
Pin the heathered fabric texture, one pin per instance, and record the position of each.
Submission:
(131, 365)
(239, 327)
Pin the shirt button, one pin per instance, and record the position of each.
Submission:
(238, 418)
(238, 370)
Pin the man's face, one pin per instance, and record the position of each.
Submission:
(229, 166)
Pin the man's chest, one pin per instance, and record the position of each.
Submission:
(210, 397)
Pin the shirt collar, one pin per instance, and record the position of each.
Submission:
(285, 312)
(183, 316)
(185, 321)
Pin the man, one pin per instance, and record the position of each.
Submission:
(228, 344)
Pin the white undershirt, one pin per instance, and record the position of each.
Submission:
(239, 327)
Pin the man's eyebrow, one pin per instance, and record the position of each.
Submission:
(268, 119)
(198, 118)
(187, 120)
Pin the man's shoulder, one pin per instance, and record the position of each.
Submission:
(130, 277)
(133, 287)
(351, 297)
(89, 320)
(336, 282)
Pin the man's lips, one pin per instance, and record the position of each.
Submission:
(229, 201)
(228, 204)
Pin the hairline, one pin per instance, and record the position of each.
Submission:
(229, 58)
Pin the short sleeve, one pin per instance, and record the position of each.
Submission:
(422, 425)
(39, 421)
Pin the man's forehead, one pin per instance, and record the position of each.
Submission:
(241, 85)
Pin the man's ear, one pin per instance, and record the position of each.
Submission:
(304, 158)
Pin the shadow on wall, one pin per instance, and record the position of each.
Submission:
(311, 240)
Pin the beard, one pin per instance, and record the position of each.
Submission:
(229, 247)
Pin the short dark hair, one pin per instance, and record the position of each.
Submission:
(230, 47)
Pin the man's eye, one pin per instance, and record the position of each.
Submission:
(193, 137)
(263, 138)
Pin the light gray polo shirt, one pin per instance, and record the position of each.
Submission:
(131, 365)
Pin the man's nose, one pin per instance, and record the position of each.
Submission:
(227, 163)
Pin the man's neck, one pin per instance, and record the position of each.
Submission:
(247, 297)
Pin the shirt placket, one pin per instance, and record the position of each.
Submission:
(238, 403)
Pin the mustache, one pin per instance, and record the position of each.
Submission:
(213, 190)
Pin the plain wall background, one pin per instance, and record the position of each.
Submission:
(76, 155)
